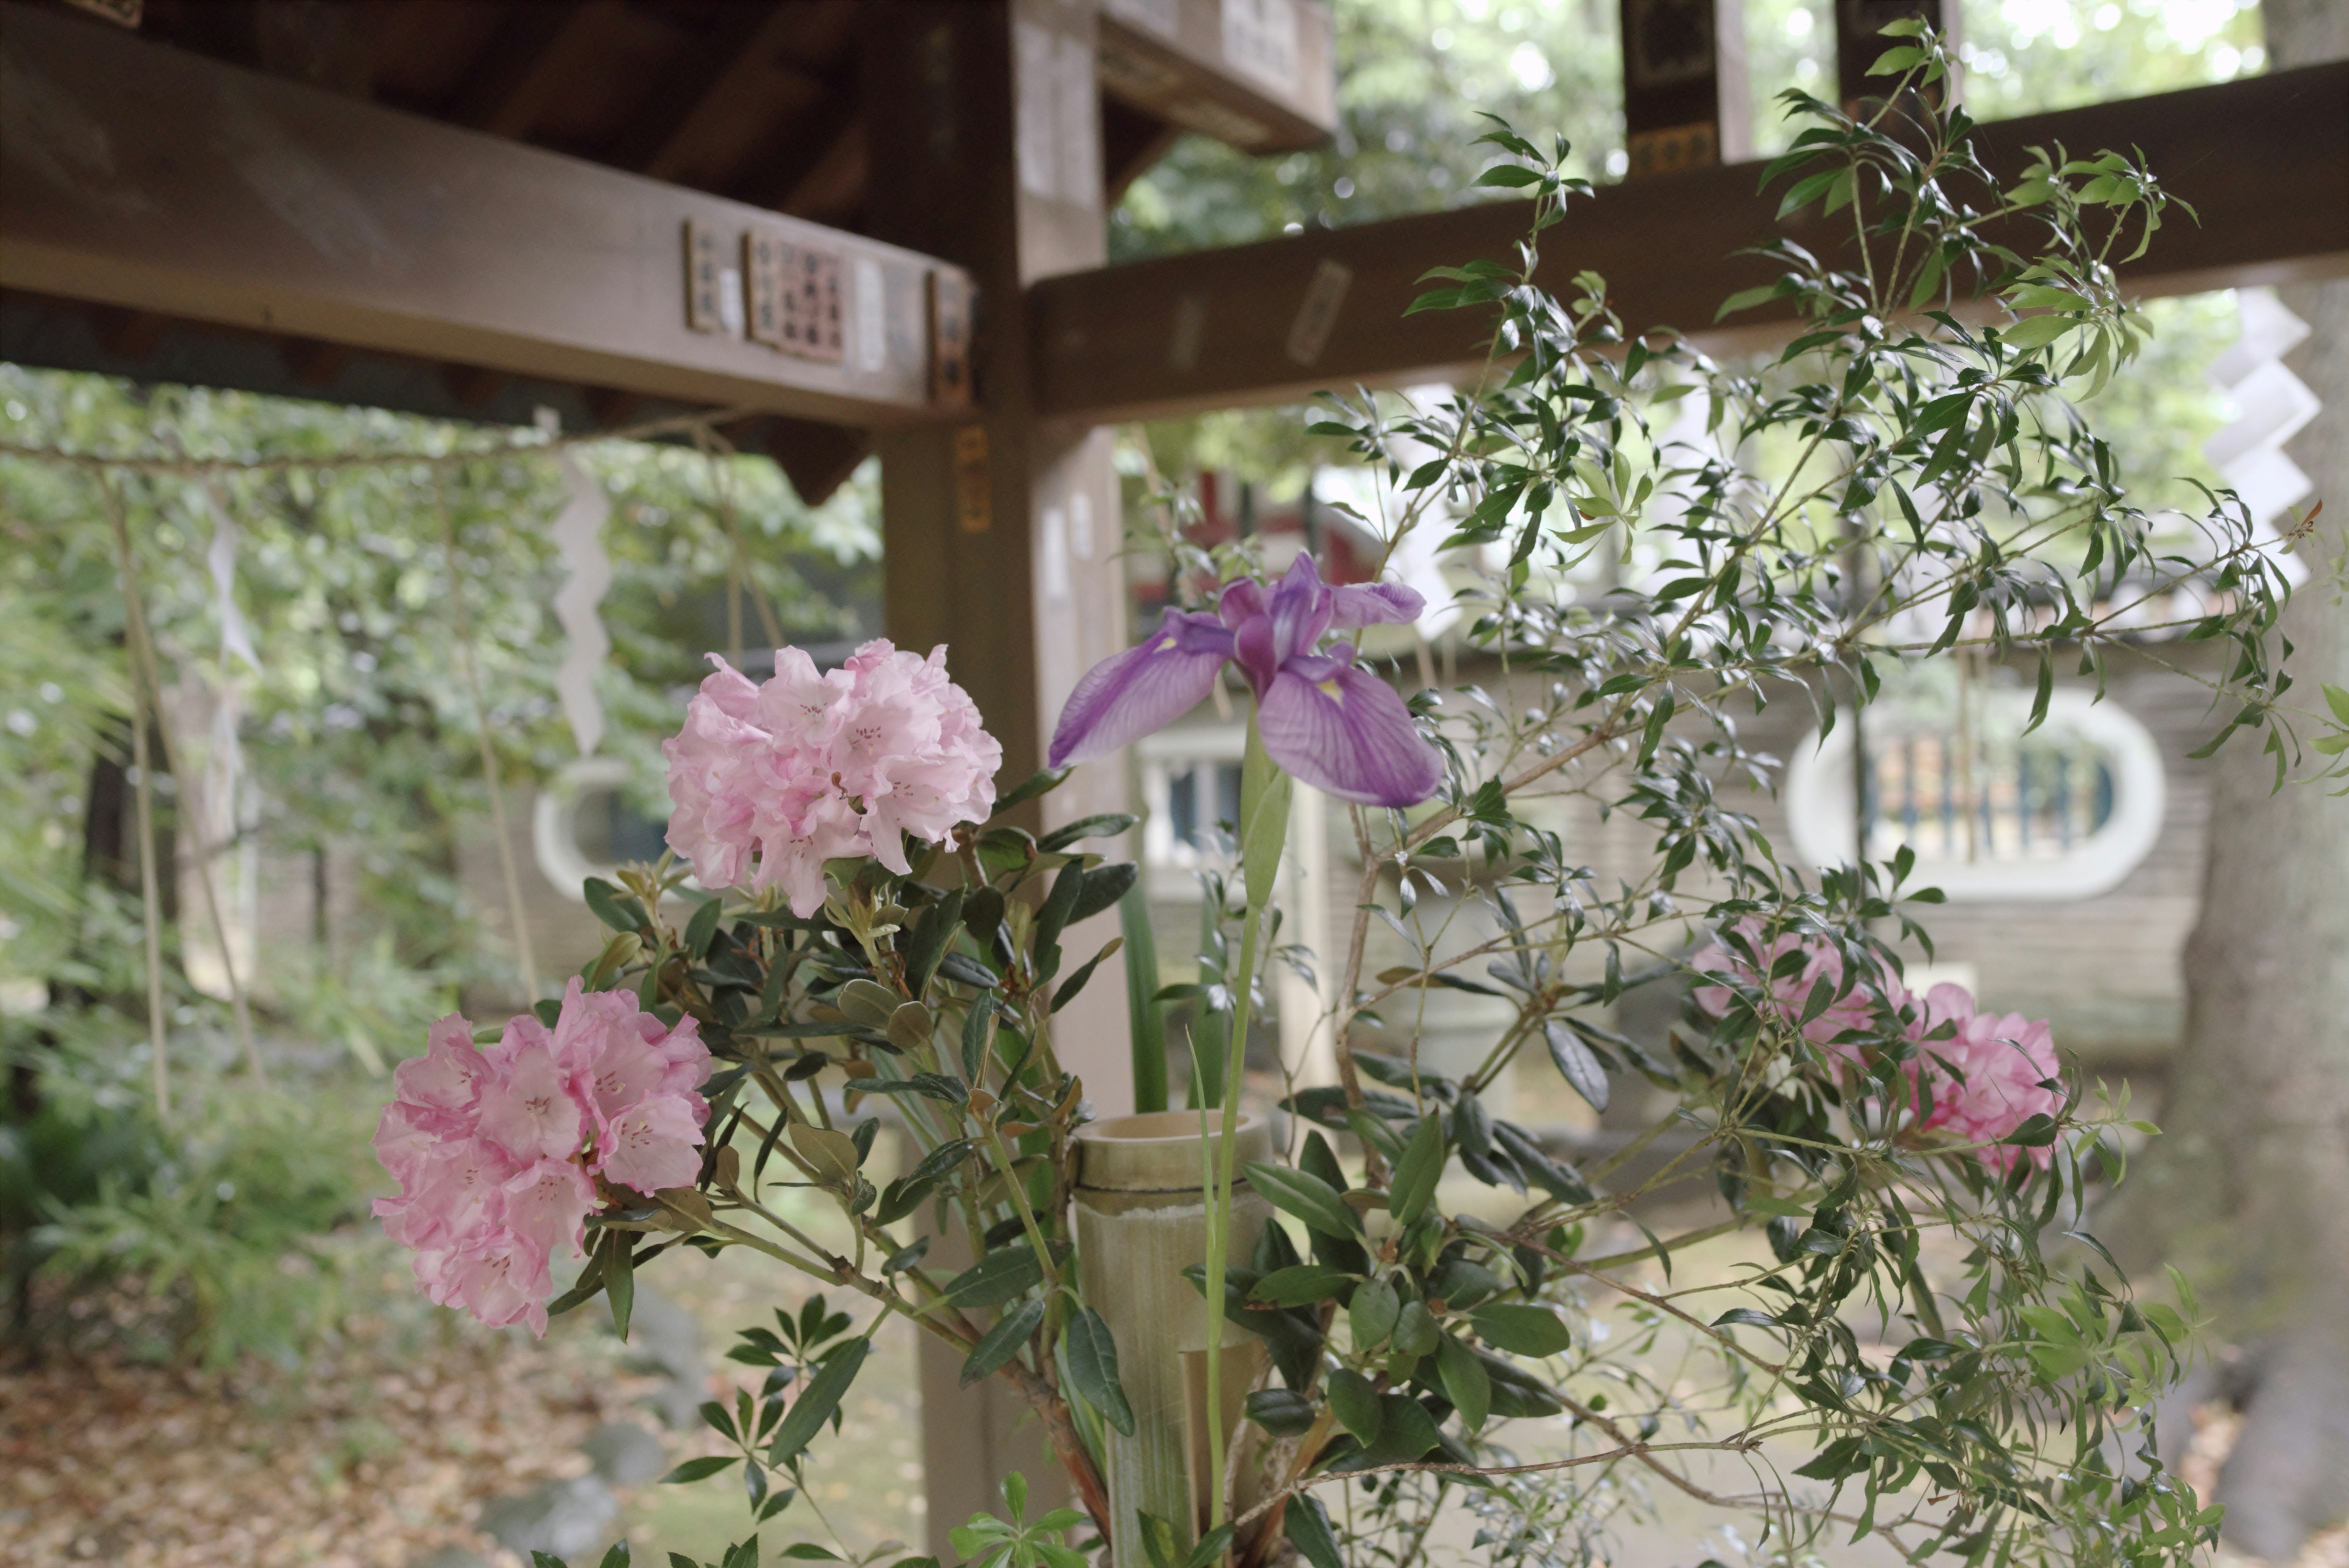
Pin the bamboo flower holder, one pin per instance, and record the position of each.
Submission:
(1141, 1219)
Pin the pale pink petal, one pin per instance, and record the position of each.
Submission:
(656, 1145)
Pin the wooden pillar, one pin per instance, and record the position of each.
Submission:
(1685, 100)
(1859, 23)
(1001, 535)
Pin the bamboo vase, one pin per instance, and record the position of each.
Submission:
(1141, 1219)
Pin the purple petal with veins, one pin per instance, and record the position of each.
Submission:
(1130, 694)
(1373, 604)
(1334, 725)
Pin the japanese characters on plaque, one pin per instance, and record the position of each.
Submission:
(786, 295)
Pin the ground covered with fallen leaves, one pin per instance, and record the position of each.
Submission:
(379, 1451)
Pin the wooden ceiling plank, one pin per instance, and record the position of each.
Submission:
(1260, 74)
(525, 65)
(833, 186)
(2264, 159)
(409, 237)
(736, 67)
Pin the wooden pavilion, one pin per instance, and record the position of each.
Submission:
(863, 226)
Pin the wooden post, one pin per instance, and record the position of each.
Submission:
(1001, 532)
(1859, 23)
(1685, 101)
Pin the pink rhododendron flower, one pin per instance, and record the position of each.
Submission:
(1986, 1079)
(1982, 1074)
(497, 1152)
(1854, 1009)
(767, 783)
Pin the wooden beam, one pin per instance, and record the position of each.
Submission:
(137, 175)
(1260, 74)
(2264, 159)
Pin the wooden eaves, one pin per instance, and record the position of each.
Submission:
(2264, 160)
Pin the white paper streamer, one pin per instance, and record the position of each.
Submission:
(2271, 406)
(578, 532)
(235, 635)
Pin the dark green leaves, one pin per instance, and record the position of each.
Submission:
(1466, 1383)
(699, 1469)
(1283, 1412)
(1093, 1365)
(1004, 1274)
(1370, 1316)
(1298, 1285)
(1576, 1060)
(817, 1401)
(1003, 1340)
(1522, 1328)
(1309, 1197)
(621, 911)
(1306, 1525)
(1355, 1403)
(1416, 1174)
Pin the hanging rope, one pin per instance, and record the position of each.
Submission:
(465, 663)
(151, 896)
(718, 450)
(537, 445)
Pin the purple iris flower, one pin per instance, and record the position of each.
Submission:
(1325, 719)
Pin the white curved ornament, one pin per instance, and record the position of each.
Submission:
(578, 534)
(1820, 815)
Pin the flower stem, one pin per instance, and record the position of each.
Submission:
(1264, 833)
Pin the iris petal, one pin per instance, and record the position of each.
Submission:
(1130, 694)
(1333, 725)
(1373, 604)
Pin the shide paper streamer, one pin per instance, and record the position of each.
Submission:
(578, 532)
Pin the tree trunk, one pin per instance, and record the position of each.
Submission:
(2248, 1192)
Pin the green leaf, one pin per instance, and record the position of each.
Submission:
(1159, 1540)
(1306, 1525)
(1508, 176)
(1746, 299)
(620, 1280)
(932, 930)
(1211, 1548)
(1092, 1365)
(703, 925)
(1355, 1403)
(1301, 1284)
(1264, 819)
(1107, 824)
(699, 1469)
(617, 1557)
(1576, 1062)
(1283, 1412)
(2337, 699)
(1370, 1316)
(817, 1401)
(1466, 1383)
(1005, 1273)
(619, 910)
(1418, 1172)
(1308, 1196)
(1030, 788)
(1104, 886)
(1066, 991)
(1003, 1340)
(1522, 1328)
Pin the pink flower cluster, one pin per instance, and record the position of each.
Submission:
(1984, 1073)
(811, 767)
(497, 1150)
